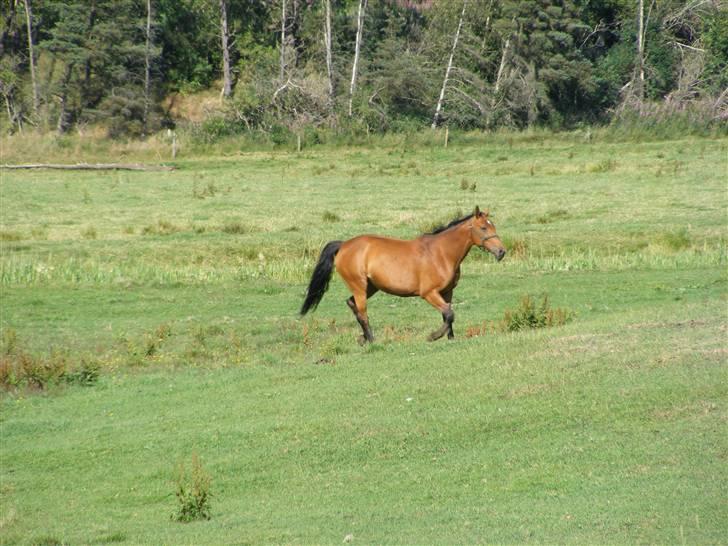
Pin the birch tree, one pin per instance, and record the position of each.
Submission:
(641, 52)
(438, 109)
(31, 55)
(357, 48)
(147, 64)
(283, 40)
(327, 43)
(227, 86)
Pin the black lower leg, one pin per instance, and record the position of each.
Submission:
(367, 331)
(449, 317)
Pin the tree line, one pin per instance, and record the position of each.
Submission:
(382, 65)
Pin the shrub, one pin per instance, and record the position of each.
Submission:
(22, 369)
(192, 490)
(163, 227)
(329, 216)
(530, 314)
(677, 240)
(85, 375)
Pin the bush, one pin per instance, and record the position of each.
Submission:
(22, 369)
(529, 314)
(192, 490)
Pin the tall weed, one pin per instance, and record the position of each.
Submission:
(192, 489)
(529, 314)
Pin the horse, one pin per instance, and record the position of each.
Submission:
(428, 267)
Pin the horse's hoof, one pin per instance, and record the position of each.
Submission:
(363, 340)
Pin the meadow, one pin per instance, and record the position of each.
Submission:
(148, 317)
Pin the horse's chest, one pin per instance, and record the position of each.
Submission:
(443, 279)
(454, 278)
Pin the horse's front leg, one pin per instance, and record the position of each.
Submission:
(436, 299)
(447, 296)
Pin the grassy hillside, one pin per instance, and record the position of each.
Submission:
(178, 292)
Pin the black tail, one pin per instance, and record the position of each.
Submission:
(321, 277)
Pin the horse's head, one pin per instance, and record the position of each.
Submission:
(484, 234)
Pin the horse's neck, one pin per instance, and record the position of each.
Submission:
(456, 243)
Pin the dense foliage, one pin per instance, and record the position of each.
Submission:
(557, 63)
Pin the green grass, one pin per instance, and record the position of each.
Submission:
(183, 288)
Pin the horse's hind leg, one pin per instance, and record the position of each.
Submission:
(435, 299)
(358, 305)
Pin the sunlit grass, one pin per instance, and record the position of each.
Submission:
(147, 317)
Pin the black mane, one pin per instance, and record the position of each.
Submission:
(455, 222)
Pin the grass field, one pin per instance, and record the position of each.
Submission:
(178, 293)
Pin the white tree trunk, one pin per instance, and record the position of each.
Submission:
(227, 86)
(641, 52)
(283, 40)
(502, 65)
(147, 64)
(329, 62)
(31, 54)
(438, 109)
(357, 48)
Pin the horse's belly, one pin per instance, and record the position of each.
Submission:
(395, 288)
(394, 275)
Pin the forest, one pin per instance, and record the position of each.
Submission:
(285, 66)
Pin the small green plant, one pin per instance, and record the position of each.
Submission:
(465, 184)
(192, 489)
(163, 227)
(39, 233)
(9, 341)
(86, 375)
(530, 314)
(11, 236)
(516, 247)
(604, 166)
(234, 227)
(552, 216)
(89, 233)
(328, 216)
(209, 190)
(677, 240)
(22, 369)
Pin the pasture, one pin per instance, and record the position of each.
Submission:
(179, 293)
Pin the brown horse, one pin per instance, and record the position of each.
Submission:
(428, 266)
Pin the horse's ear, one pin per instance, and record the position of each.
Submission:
(486, 212)
(477, 211)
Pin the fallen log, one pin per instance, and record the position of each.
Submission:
(92, 167)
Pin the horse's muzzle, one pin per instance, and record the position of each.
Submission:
(499, 254)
